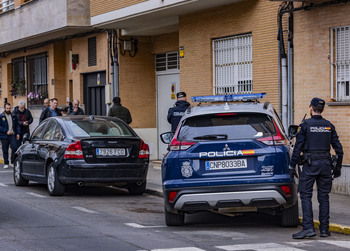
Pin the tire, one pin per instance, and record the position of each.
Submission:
(290, 216)
(17, 174)
(54, 186)
(135, 189)
(172, 219)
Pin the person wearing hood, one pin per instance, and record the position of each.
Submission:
(24, 118)
(175, 113)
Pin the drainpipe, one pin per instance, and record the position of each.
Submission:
(284, 92)
(113, 51)
(290, 69)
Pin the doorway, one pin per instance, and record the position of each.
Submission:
(167, 87)
(94, 93)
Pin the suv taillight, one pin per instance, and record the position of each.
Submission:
(277, 139)
(74, 151)
(176, 145)
(144, 150)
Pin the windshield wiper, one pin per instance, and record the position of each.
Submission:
(212, 136)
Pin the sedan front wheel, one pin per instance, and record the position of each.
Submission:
(54, 186)
(17, 174)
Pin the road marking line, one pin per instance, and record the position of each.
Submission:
(9, 171)
(343, 244)
(136, 225)
(36, 195)
(2, 185)
(85, 210)
(258, 246)
(180, 249)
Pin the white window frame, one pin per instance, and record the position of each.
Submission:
(340, 63)
(232, 65)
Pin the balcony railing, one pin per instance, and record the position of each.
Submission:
(6, 5)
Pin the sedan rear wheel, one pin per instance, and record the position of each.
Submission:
(54, 186)
(136, 189)
(17, 174)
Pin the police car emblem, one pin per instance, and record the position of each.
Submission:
(3, 119)
(186, 169)
(226, 148)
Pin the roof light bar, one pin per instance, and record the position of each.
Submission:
(225, 98)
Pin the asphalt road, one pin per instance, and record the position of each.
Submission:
(106, 218)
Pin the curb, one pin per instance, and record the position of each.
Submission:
(154, 192)
(336, 228)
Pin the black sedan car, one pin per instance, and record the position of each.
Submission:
(82, 150)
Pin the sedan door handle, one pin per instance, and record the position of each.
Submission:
(47, 146)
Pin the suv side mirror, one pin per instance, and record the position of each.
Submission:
(166, 137)
(26, 137)
(293, 131)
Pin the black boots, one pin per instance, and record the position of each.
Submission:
(304, 233)
(325, 233)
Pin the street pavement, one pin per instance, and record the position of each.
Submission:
(339, 204)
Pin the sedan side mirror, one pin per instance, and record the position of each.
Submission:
(166, 137)
(293, 131)
(26, 137)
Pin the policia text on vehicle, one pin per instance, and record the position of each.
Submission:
(314, 139)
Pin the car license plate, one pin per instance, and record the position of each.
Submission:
(110, 151)
(226, 164)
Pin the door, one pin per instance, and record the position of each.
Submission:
(94, 93)
(167, 87)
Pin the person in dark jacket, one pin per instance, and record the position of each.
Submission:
(46, 104)
(9, 134)
(119, 111)
(76, 110)
(24, 118)
(175, 113)
(51, 111)
(315, 138)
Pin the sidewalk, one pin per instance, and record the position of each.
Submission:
(339, 204)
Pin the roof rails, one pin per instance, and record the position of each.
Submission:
(226, 98)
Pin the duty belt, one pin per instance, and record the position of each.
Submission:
(318, 156)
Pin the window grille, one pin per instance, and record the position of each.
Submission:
(92, 54)
(341, 63)
(232, 65)
(6, 5)
(167, 61)
(37, 78)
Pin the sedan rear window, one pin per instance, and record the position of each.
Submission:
(98, 128)
(227, 126)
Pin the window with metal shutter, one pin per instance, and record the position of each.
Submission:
(232, 65)
(341, 62)
(92, 54)
(167, 61)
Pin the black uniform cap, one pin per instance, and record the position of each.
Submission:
(317, 102)
(181, 94)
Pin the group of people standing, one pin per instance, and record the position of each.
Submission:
(14, 124)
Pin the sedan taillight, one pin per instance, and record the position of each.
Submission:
(144, 150)
(74, 151)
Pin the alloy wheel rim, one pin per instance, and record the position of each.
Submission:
(17, 171)
(51, 179)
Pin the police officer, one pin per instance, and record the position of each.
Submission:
(314, 139)
(175, 113)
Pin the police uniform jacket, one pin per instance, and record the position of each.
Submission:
(26, 115)
(175, 113)
(47, 113)
(4, 127)
(121, 112)
(315, 137)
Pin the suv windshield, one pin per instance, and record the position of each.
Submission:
(227, 126)
(98, 128)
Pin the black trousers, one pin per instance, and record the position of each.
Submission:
(321, 172)
(9, 141)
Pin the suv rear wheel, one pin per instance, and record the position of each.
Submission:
(290, 216)
(172, 219)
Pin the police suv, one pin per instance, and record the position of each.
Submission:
(229, 158)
